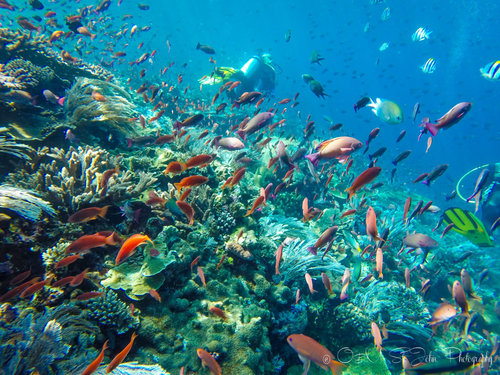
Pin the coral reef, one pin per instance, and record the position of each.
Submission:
(24, 75)
(23, 203)
(71, 179)
(34, 48)
(54, 254)
(385, 302)
(110, 313)
(349, 326)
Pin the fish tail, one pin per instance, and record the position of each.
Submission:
(336, 367)
(242, 134)
(129, 142)
(426, 182)
(350, 192)
(313, 158)
(249, 212)
(103, 212)
(178, 185)
(312, 250)
(60, 101)
(198, 45)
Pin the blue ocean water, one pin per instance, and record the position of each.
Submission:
(349, 36)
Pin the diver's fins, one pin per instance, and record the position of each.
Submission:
(468, 225)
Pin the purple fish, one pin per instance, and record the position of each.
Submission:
(257, 122)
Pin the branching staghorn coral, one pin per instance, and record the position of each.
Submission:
(70, 179)
(111, 114)
(23, 203)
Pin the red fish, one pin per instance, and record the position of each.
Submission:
(88, 214)
(279, 255)
(78, 279)
(217, 311)
(96, 362)
(67, 261)
(407, 208)
(261, 200)
(377, 337)
(121, 356)
(20, 277)
(348, 213)
(199, 161)
(451, 117)
(130, 245)
(371, 224)
(208, 361)
(309, 350)
(201, 275)
(32, 289)
(309, 282)
(154, 293)
(186, 210)
(364, 178)
(88, 295)
(191, 181)
(379, 262)
(175, 167)
(90, 241)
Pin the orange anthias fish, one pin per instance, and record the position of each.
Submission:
(364, 178)
(88, 214)
(89, 241)
(130, 245)
(309, 350)
(377, 337)
(371, 224)
(96, 362)
(379, 258)
(67, 261)
(261, 200)
(201, 275)
(217, 311)
(98, 96)
(191, 181)
(186, 210)
(175, 167)
(199, 161)
(121, 356)
(208, 361)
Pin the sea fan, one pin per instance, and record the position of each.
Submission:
(297, 261)
(16, 149)
(23, 202)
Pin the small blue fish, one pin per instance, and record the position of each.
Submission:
(429, 67)
(421, 34)
(491, 71)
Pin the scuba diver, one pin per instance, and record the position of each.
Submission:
(257, 74)
(486, 196)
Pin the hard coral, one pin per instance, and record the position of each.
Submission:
(71, 179)
(23, 203)
(111, 313)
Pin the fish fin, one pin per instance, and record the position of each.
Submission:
(312, 250)
(103, 212)
(60, 101)
(313, 158)
(306, 362)
(178, 186)
(242, 134)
